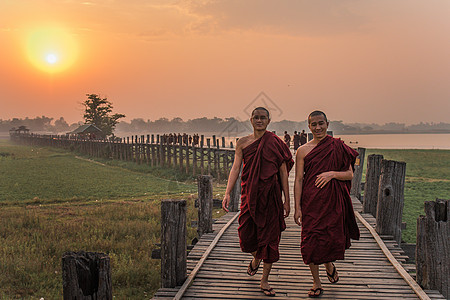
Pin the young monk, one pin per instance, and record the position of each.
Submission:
(323, 207)
(267, 162)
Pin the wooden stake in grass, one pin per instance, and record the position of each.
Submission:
(86, 275)
(173, 242)
(205, 202)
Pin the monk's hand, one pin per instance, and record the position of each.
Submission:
(323, 179)
(287, 209)
(225, 202)
(298, 217)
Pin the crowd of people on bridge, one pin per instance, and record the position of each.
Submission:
(322, 204)
(183, 139)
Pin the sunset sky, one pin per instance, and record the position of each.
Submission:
(360, 61)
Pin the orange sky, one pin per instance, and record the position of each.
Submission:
(359, 61)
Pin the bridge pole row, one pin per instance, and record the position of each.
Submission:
(384, 199)
(195, 159)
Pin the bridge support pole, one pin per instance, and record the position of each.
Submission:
(433, 247)
(173, 242)
(357, 174)
(205, 203)
(391, 199)
(371, 186)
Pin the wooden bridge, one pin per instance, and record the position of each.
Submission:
(374, 267)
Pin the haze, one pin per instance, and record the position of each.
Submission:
(373, 61)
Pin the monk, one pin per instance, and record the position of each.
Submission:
(323, 207)
(267, 162)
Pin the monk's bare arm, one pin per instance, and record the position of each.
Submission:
(234, 174)
(324, 178)
(298, 183)
(285, 187)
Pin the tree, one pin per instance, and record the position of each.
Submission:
(99, 113)
(61, 125)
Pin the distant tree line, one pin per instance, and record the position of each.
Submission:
(224, 127)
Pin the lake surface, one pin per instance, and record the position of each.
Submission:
(398, 141)
(391, 141)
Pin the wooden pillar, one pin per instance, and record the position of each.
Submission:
(373, 173)
(86, 276)
(235, 197)
(161, 153)
(186, 148)
(180, 152)
(223, 142)
(357, 174)
(194, 160)
(433, 247)
(202, 160)
(205, 202)
(173, 242)
(391, 199)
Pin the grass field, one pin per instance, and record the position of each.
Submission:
(52, 202)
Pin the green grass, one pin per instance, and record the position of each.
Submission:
(52, 202)
(427, 178)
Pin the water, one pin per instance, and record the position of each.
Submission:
(398, 141)
(395, 141)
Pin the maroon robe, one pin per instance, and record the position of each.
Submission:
(328, 220)
(261, 219)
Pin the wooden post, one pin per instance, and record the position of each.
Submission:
(194, 160)
(173, 242)
(205, 202)
(223, 142)
(357, 174)
(186, 148)
(235, 196)
(433, 247)
(202, 160)
(390, 199)
(86, 275)
(371, 187)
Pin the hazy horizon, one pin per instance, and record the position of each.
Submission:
(373, 61)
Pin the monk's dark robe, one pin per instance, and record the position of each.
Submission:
(328, 220)
(261, 219)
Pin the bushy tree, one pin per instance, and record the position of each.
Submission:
(99, 112)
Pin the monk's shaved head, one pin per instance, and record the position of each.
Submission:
(317, 113)
(261, 108)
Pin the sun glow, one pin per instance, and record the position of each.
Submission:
(51, 50)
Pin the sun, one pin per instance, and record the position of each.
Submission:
(51, 49)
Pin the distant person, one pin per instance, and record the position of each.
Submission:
(190, 139)
(323, 207)
(303, 138)
(267, 162)
(296, 140)
(287, 139)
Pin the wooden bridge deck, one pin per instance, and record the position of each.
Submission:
(365, 273)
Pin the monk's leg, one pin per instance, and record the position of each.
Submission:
(255, 261)
(315, 274)
(265, 286)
